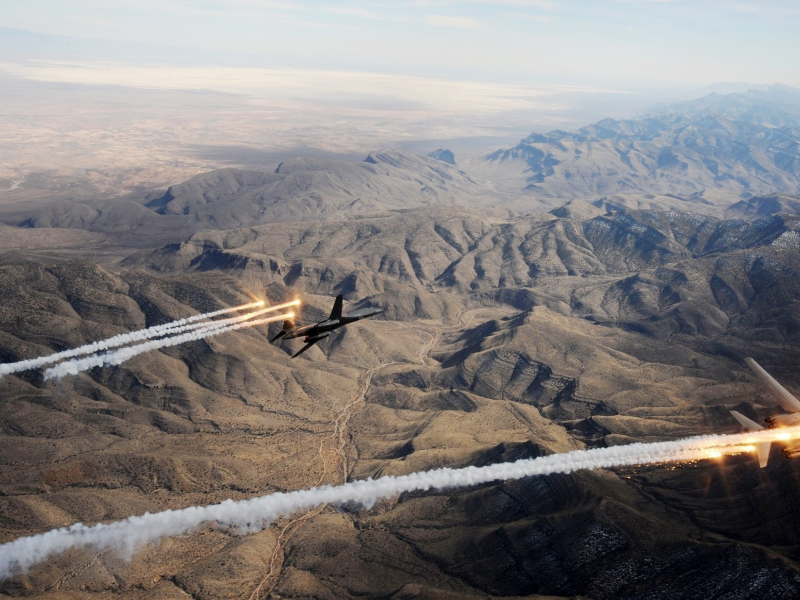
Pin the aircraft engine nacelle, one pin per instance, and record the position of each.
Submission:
(315, 338)
(788, 420)
(792, 451)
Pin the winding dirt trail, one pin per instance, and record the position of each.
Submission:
(334, 461)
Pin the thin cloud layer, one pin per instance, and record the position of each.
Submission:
(635, 42)
(456, 22)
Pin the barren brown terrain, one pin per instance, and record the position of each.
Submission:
(517, 323)
(503, 337)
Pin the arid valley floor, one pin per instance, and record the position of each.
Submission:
(577, 290)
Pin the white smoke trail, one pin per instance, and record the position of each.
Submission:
(121, 340)
(131, 533)
(117, 357)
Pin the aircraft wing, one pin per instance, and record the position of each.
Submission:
(784, 398)
(310, 341)
(304, 348)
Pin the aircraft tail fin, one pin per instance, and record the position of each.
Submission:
(336, 313)
(762, 448)
(288, 325)
(788, 402)
(748, 424)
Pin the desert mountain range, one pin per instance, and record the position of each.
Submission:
(583, 289)
(708, 151)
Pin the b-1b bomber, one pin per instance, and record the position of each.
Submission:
(788, 402)
(319, 331)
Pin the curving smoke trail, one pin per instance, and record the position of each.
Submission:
(131, 533)
(75, 366)
(123, 339)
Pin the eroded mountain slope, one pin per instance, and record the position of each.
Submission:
(502, 339)
(301, 189)
(706, 151)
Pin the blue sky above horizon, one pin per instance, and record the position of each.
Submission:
(643, 43)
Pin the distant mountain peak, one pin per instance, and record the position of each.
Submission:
(775, 105)
(578, 210)
(759, 207)
(444, 155)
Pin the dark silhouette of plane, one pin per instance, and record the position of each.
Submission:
(319, 331)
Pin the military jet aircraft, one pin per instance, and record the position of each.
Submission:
(788, 402)
(319, 331)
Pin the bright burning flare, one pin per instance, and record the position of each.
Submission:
(284, 305)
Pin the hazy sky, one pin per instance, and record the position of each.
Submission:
(583, 42)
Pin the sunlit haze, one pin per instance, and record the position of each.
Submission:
(631, 42)
(251, 82)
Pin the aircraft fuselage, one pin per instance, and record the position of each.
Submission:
(328, 325)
